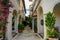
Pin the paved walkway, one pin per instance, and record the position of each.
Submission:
(28, 35)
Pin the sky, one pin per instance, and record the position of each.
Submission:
(27, 3)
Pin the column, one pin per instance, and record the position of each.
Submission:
(16, 23)
(21, 20)
(33, 24)
(44, 28)
(38, 22)
(44, 14)
(9, 27)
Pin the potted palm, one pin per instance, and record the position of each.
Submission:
(53, 35)
(50, 22)
(20, 28)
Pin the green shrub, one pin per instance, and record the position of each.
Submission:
(21, 27)
(52, 33)
(50, 20)
(1, 33)
(50, 23)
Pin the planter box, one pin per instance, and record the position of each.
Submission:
(53, 38)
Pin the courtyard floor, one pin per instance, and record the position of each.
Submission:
(27, 35)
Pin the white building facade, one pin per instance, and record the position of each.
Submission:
(14, 18)
(42, 7)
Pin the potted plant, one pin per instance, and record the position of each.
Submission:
(53, 35)
(21, 28)
(50, 22)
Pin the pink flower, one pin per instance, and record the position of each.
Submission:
(1, 1)
(4, 30)
(6, 22)
(0, 16)
(3, 8)
(3, 17)
(6, 11)
(10, 12)
(6, 15)
(0, 23)
(10, 4)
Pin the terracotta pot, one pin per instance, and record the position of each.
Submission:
(53, 38)
(20, 31)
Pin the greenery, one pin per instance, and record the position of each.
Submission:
(47, 39)
(50, 22)
(28, 19)
(1, 33)
(4, 11)
(21, 27)
(52, 33)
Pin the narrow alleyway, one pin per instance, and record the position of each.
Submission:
(28, 35)
(29, 19)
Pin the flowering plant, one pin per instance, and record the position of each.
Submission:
(4, 11)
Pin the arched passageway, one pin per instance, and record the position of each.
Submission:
(56, 11)
(35, 21)
(14, 19)
(40, 21)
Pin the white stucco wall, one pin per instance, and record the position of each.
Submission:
(57, 24)
(47, 6)
(57, 15)
(22, 10)
(9, 19)
(40, 17)
(35, 5)
(9, 25)
(16, 5)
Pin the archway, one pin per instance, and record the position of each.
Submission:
(35, 21)
(56, 11)
(41, 21)
(14, 18)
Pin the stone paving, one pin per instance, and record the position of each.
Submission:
(28, 35)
